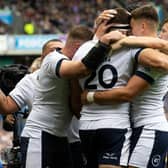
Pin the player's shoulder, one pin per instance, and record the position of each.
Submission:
(84, 49)
(54, 55)
(28, 79)
(87, 45)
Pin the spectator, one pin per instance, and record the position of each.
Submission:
(61, 16)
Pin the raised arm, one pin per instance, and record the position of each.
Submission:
(147, 42)
(155, 53)
(101, 21)
(93, 58)
(105, 16)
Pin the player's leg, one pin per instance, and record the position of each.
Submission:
(77, 155)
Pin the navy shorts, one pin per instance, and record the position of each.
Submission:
(105, 146)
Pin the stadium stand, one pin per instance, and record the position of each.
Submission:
(51, 16)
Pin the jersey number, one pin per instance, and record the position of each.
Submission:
(101, 81)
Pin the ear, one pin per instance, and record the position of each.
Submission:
(76, 45)
(143, 26)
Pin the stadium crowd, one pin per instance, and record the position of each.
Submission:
(52, 16)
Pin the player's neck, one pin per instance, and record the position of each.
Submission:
(150, 33)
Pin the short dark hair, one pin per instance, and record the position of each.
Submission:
(80, 32)
(121, 19)
(122, 16)
(147, 12)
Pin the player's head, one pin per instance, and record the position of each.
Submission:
(51, 45)
(48, 47)
(144, 21)
(35, 64)
(76, 37)
(120, 21)
(164, 30)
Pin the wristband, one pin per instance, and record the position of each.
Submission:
(96, 55)
(90, 97)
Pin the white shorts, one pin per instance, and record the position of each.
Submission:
(148, 148)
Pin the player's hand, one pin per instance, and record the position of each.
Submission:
(10, 119)
(102, 29)
(83, 97)
(112, 37)
(105, 15)
(117, 45)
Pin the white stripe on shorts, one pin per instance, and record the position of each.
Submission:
(126, 148)
(33, 158)
(142, 151)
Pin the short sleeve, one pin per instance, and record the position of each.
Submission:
(84, 49)
(148, 73)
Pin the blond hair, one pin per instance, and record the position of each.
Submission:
(35, 64)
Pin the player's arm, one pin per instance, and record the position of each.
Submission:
(7, 104)
(153, 58)
(155, 53)
(76, 97)
(77, 69)
(73, 69)
(101, 29)
(149, 42)
(101, 23)
(135, 86)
